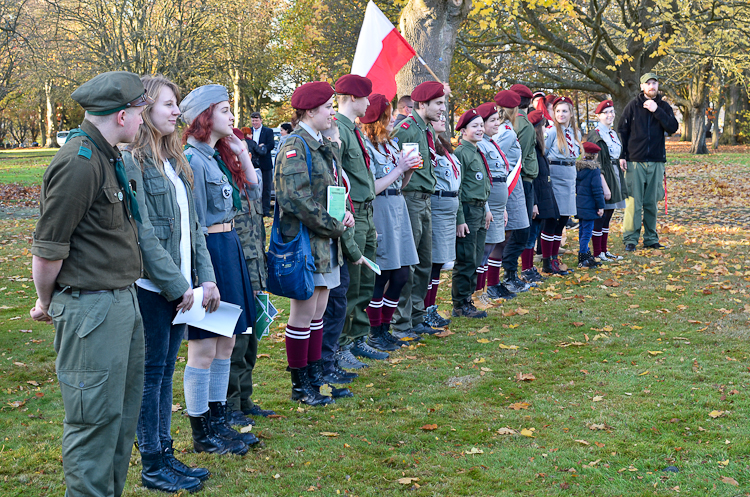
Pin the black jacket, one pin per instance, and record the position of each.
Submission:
(642, 131)
(265, 146)
(544, 197)
(589, 192)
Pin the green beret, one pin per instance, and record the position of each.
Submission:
(111, 92)
(649, 75)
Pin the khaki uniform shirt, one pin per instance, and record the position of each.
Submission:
(475, 183)
(353, 162)
(527, 139)
(413, 129)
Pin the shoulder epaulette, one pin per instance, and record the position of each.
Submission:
(405, 125)
(84, 151)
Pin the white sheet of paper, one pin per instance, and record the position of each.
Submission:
(196, 313)
(221, 322)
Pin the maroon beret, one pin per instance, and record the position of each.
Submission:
(466, 118)
(535, 116)
(508, 99)
(311, 95)
(522, 90)
(549, 99)
(560, 100)
(590, 148)
(429, 90)
(486, 110)
(378, 104)
(354, 85)
(603, 106)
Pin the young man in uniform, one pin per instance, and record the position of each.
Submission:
(429, 104)
(85, 261)
(642, 126)
(404, 108)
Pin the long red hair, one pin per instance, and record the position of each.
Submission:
(200, 129)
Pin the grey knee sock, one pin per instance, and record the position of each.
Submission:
(217, 386)
(196, 390)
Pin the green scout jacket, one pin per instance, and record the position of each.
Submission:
(303, 200)
(252, 233)
(527, 138)
(475, 183)
(348, 245)
(353, 162)
(413, 129)
(159, 229)
(619, 189)
(84, 221)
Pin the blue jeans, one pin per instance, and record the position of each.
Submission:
(162, 341)
(585, 229)
(534, 229)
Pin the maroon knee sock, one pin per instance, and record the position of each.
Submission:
(556, 246)
(297, 341)
(375, 312)
(605, 236)
(596, 241)
(547, 242)
(480, 272)
(433, 295)
(527, 259)
(315, 344)
(493, 271)
(389, 308)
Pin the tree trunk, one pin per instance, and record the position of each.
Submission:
(729, 136)
(431, 27)
(687, 124)
(50, 117)
(237, 96)
(698, 120)
(715, 134)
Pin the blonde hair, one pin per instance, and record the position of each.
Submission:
(507, 114)
(562, 144)
(148, 141)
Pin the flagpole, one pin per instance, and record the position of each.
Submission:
(421, 61)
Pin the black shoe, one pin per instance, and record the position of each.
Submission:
(571, 225)
(332, 365)
(332, 374)
(346, 360)
(655, 246)
(303, 391)
(499, 292)
(424, 329)
(376, 340)
(206, 440)
(315, 373)
(547, 266)
(220, 425)
(156, 475)
(586, 261)
(435, 320)
(238, 418)
(531, 276)
(594, 260)
(468, 310)
(257, 411)
(513, 284)
(406, 336)
(361, 349)
(556, 269)
(630, 247)
(392, 339)
(178, 466)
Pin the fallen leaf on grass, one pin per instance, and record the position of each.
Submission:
(483, 340)
(508, 347)
(479, 360)
(577, 324)
(407, 480)
(176, 407)
(517, 406)
(528, 432)
(716, 414)
(506, 431)
(731, 481)
(610, 282)
(268, 356)
(17, 403)
(582, 442)
(484, 329)
(521, 311)
(525, 377)
(474, 450)
(644, 373)
(571, 344)
(246, 429)
(20, 364)
(444, 334)
(601, 426)
(655, 352)
(329, 433)
(598, 398)
(326, 390)
(33, 383)
(428, 427)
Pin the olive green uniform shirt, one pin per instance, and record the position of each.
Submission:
(84, 220)
(527, 138)
(475, 182)
(413, 129)
(353, 162)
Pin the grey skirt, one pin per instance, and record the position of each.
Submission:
(444, 211)
(564, 187)
(394, 236)
(518, 216)
(329, 280)
(497, 202)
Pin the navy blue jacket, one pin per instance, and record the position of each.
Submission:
(589, 193)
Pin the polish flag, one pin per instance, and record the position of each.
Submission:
(512, 179)
(381, 52)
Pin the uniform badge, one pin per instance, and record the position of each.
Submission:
(388, 169)
(226, 190)
(507, 126)
(223, 178)
(447, 173)
(119, 196)
(480, 176)
(291, 153)
(405, 125)
(395, 139)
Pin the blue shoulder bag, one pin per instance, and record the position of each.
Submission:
(291, 265)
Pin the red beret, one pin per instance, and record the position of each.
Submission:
(354, 85)
(560, 100)
(311, 95)
(486, 110)
(603, 106)
(590, 148)
(465, 119)
(429, 90)
(550, 99)
(535, 116)
(378, 104)
(522, 90)
(508, 99)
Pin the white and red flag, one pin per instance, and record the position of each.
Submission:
(381, 52)
(512, 179)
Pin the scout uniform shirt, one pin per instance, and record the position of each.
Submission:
(553, 153)
(475, 178)
(447, 173)
(527, 139)
(84, 220)
(518, 217)
(355, 161)
(413, 129)
(383, 161)
(212, 188)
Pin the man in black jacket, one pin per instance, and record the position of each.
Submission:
(642, 126)
(263, 136)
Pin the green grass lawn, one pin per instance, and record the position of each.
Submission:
(638, 366)
(24, 166)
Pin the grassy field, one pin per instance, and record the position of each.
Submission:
(25, 166)
(629, 380)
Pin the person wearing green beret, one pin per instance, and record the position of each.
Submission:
(85, 260)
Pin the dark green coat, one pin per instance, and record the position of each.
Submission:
(413, 129)
(475, 182)
(353, 162)
(619, 189)
(527, 139)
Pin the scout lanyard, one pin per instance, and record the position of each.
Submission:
(236, 202)
(455, 169)
(507, 164)
(486, 165)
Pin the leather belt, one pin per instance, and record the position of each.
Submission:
(390, 192)
(499, 178)
(81, 291)
(363, 205)
(562, 162)
(445, 193)
(418, 195)
(475, 203)
(221, 227)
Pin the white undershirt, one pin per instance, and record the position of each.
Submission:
(256, 135)
(185, 249)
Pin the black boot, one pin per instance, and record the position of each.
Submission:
(547, 266)
(177, 466)
(586, 261)
(332, 374)
(386, 331)
(205, 440)
(315, 373)
(513, 284)
(157, 475)
(376, 340)
(220, 425)
(303, 391)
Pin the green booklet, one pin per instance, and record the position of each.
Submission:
(337, 202)
(372, 265)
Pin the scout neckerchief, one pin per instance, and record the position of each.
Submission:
(236, 202)
(430, 142)
(362, 146)
(505, 159)
(122, 177)
(450, 159)
(486, 165)
(570, 143)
